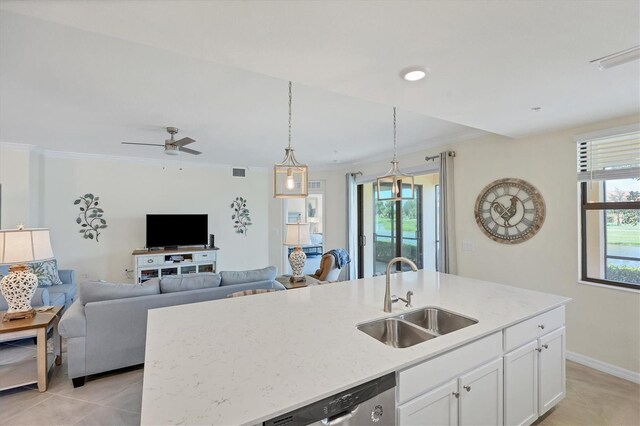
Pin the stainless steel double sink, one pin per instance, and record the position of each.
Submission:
(410, 328)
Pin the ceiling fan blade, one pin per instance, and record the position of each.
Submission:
(184, 141)
(189, 151)
(147, 144)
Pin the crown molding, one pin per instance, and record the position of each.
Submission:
(25, 147)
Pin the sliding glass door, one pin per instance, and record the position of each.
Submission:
(397, 231)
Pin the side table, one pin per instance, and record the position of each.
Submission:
(40, 324)
(284, 280)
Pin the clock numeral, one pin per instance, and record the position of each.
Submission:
(526, 200)
(527, 222)
(529, 211)
(494, 228)
(506, 232)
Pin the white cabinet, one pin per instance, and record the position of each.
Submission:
(438, 407)
(521, 385)
(474, 398)
(481, 395)
(534, 377)
(161, 263)
(479, 384)
(552, 386)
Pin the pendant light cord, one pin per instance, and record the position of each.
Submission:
(394, 133)
(289, 114)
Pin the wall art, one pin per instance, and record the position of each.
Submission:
(90, 217)
(241, 219)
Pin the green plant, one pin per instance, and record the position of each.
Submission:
(90, 217)
(241, 217)
(623, 273)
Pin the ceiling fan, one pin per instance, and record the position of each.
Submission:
(171, 146)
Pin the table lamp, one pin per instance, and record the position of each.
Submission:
(17, 247)
(297, 235)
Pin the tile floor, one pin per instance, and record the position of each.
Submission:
(593, 398)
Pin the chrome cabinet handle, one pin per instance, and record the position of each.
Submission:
(545, 346)
(467, 387)
(539, 349)
(456, 394)
(541, 326)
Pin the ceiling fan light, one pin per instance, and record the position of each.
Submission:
(171, 150)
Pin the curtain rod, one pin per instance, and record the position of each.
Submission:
(435, 157)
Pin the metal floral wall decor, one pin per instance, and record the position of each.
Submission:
(90, 217)
(241, 219)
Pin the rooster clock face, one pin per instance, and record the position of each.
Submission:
(510, 210)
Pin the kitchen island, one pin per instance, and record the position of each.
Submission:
(245, 360)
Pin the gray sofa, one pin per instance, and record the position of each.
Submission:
(106, 326)
(62, 294)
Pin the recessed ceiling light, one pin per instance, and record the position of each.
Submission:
(617, 58)
(413, 73)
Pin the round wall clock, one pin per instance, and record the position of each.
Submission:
(510, 210)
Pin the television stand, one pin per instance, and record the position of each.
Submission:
(165, 262)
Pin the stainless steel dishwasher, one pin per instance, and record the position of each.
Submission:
(372, 403)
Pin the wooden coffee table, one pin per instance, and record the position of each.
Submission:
(37, 326)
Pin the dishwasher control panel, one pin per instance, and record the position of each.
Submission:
(373, 401)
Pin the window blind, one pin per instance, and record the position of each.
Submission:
(609, 157)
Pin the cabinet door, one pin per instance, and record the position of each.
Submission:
(481, 395)
(438, 407)
(521, 385)
(552, 386)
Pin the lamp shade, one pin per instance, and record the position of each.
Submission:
(297, 234)
(24, 245)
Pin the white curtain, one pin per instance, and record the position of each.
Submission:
(447, 256)
(352, 226)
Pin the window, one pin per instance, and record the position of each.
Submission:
(609, 176)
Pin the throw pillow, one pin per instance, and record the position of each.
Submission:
(93, 291)
(241, 277)
(175, 283)
(47, 272)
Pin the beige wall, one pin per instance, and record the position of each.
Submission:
(17, 180)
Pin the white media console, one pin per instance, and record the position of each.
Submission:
(161, 263)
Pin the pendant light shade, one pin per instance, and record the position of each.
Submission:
(395, 185)
(290, 177)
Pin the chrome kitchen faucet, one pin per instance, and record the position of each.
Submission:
(387, 292)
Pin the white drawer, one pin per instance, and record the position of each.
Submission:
(202, 257)
(431, 373)
(150, 260)
(526, 331)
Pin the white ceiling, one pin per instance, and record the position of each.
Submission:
(83, 76)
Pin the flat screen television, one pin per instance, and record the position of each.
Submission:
(172, 230)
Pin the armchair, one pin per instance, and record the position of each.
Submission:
(329, 270)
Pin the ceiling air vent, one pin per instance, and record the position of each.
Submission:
(315, 184)
(239, 172)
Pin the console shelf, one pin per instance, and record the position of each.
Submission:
(161, 263)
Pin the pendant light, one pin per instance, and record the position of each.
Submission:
(289, 176)
(395, 185)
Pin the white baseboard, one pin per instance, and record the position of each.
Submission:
(614, 370)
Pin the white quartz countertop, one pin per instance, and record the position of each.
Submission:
(245, 360)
